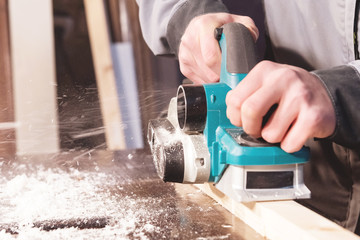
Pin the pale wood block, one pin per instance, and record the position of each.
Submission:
(34, 78)
(280, 219)
(104, 71)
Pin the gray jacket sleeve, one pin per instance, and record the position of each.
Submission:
(343, 86)
(154, 17)
(163, 22)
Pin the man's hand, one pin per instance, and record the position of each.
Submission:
(199, 51)
(304, 108)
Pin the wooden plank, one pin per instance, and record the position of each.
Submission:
(34, 79)
(104, 71)
(7, 136)
(281, 219)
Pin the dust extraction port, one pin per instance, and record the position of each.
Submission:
(191, 108)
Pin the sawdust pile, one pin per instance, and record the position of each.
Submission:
(53, 194)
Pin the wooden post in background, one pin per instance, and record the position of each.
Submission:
(157, 78)
(33, 74)
(104, 71)
(7, 136)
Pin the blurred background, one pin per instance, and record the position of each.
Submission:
(144, 82)
(77, 74)
(70, 83)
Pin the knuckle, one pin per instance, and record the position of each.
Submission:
(186, 71)
(315, 119)
(286, 75)
(261, 64)
(232, 101)
(264, 63)
(185, 61)
(213, 78)
(271, 137)
(305, 95)
(291, 146)
(184, 58)
(247, 19)
(186, 39)
(181, 56)
(226, 17)
(264, 66)
(200, 21)
(233, 116)
(235, 121)
(249, 22)
(252, 131)
(289, 78)
(289, 73)
(195, 21)
(249, 110)
(211, 56)
(302, 96)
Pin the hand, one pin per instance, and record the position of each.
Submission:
(199, 51)
(304, 107)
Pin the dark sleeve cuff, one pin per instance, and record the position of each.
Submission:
(185, 13)
(343, 86)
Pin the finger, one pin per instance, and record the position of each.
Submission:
(210, 54)
(279, 123)
(236, 97)
(192, 57)
(203, 46)
(296, 136)
(256, 107)
(190, 73)
(246, 87)
(249, 23)
(188, 65)
(234, 115)
(209, 58)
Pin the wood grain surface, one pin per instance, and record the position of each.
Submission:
(104, 71)
(280, 220)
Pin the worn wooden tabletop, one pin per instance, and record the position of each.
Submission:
(106, 195)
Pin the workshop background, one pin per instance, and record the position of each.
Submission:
(79, 109)
(78, 87)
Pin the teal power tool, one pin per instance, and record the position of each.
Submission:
(196, 143)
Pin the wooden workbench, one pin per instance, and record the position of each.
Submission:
(281, 220)
(102, 194)
(106, 195)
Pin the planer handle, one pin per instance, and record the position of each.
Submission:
(238, 54)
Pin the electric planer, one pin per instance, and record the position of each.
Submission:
(196, 143)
